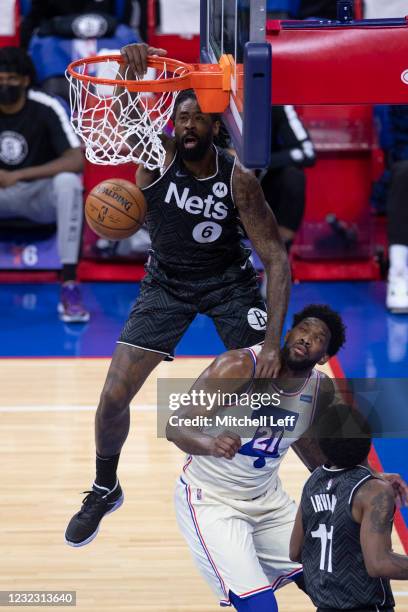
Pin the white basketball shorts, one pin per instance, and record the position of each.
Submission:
(238, 546)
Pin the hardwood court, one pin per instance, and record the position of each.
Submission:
(138, 562)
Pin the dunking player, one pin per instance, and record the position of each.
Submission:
(198, 265)
(230, 504)
(342, 532)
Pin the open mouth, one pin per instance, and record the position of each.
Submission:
(190, 141)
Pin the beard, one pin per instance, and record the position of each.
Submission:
(197, 152)
(297, 363)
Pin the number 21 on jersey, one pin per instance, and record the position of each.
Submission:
(267, 440)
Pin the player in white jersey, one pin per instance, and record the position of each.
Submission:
(230, 504)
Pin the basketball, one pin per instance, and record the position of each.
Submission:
(115, 209)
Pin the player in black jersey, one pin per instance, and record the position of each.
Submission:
(198, 265)
(342, 532)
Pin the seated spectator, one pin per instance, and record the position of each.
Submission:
(397, 289)
(283, 182)
(57, 16)
(55, 32)
(40, 160)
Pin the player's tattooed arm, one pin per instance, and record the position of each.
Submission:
(226, 374)
(374, 508)
(262, 229)
(307, 447)
(381, 512)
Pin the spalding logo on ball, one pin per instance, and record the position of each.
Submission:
(115, 209)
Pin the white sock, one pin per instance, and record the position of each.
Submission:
(398, 260)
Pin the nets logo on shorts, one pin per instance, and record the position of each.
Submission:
(13, 148)
(257, 318)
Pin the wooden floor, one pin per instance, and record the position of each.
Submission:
(138, 562)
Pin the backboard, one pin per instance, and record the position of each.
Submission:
(237, 29)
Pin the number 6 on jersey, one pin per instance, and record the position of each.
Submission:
(207, 231)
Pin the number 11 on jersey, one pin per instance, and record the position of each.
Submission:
(326, 537)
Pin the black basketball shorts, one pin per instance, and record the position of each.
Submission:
(167, 305)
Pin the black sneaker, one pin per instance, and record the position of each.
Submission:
(84, 525)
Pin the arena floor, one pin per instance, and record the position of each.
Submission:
(51, 376)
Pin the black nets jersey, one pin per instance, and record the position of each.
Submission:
(193, 223)
(39, 133)
(333, 564)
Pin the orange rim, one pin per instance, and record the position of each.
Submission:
(210, 81)
(166, 84)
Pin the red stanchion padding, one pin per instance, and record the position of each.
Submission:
(341, 65)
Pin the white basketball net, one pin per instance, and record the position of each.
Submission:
(117, 125)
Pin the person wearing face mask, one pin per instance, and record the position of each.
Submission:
(40, 158)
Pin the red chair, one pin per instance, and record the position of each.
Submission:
(336, 240)
(183, 48)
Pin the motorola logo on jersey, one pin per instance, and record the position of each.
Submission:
(257, 318)
(220, 190)
(13, 148)
(194, 205)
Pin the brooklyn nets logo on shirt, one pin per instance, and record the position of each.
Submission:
(13, 148)
(90, 26)
(257, 318)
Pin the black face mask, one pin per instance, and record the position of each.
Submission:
(10, 94)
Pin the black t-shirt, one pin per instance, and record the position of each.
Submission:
(44, 10)
(38, 134)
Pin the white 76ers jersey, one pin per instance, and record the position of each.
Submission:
(254, 469)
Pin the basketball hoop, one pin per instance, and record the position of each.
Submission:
(121, 119)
